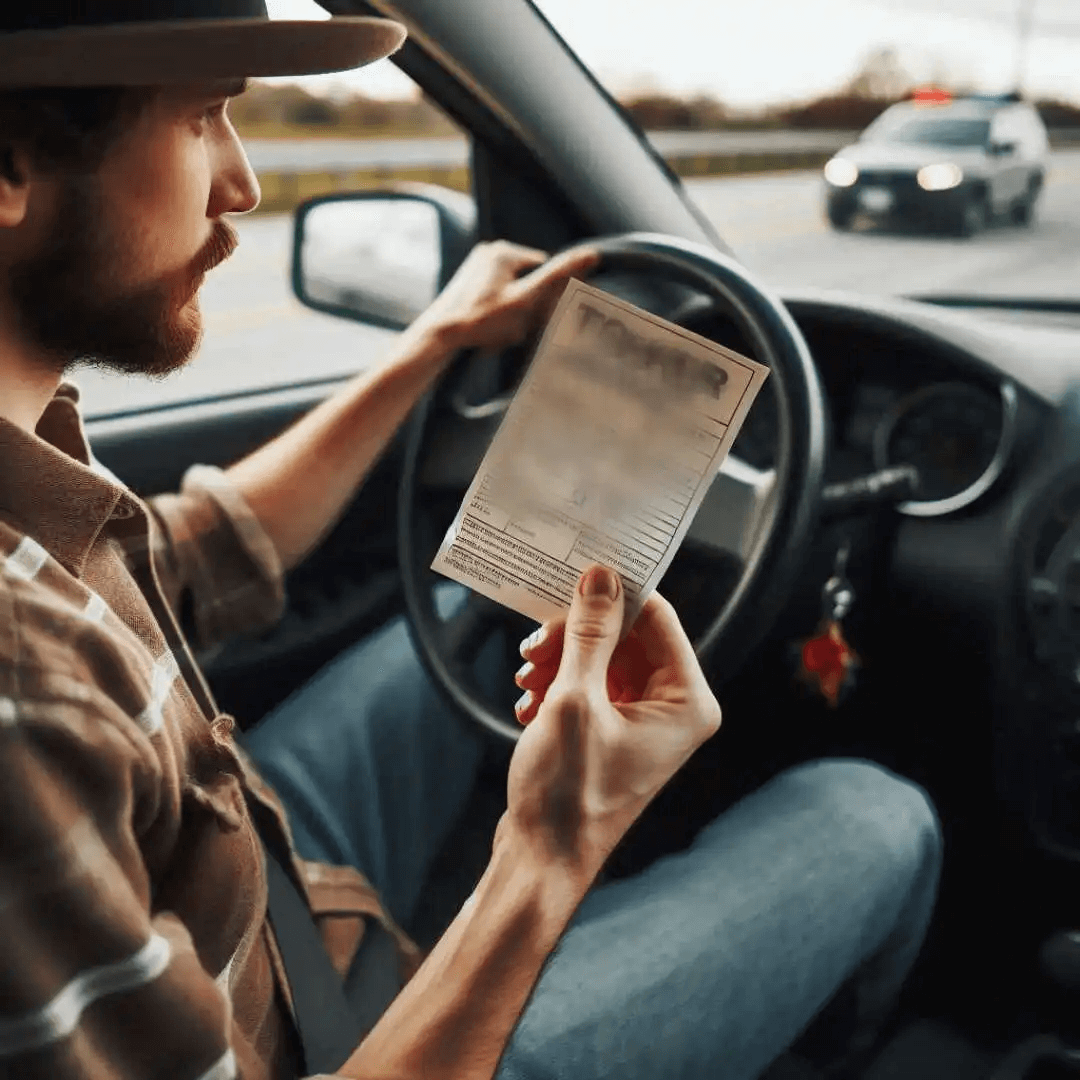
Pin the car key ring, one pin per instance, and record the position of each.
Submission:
(838, 594)
(826, 661)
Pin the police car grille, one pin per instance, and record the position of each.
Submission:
(887, 178)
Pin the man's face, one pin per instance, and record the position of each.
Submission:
(114, 277)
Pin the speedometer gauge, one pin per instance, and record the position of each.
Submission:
(956, 434)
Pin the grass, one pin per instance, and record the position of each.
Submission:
(283, 192)
(272, 129)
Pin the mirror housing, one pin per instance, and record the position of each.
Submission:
(380, 257)
(1002, 149)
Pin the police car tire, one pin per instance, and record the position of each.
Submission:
(973, 217)
(840, 219)
(1023, 211)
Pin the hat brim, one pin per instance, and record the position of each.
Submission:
(155, 53)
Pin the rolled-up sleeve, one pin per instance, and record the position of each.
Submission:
(217, 566)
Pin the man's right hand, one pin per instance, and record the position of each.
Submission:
(608, 723)
(611, 724)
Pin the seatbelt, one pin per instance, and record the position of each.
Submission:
(330, 1020)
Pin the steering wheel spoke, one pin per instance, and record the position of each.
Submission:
(735, 509)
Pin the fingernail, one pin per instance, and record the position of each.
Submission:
(523, 702)
(524, 671)
(600, 581)
(531, 642)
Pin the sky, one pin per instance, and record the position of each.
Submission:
(754, 53)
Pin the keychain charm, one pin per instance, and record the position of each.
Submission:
(827, 662)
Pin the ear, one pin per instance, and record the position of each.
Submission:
(14, 186)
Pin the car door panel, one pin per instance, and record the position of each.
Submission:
(151, 449)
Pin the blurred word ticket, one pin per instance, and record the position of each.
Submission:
(604, 455)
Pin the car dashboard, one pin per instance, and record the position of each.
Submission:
(894, 403)
(981, 566)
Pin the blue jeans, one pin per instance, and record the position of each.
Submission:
(709, 963)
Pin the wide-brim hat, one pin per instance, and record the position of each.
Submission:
(152, 42)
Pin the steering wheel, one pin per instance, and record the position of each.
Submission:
(759, 520)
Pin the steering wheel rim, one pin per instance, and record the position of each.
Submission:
(773, 560)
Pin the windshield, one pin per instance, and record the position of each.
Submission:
(751, 104)
(938, 132)
(779, 117)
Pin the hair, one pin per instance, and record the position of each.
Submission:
(65, 129)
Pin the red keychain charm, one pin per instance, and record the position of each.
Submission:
(826, 661)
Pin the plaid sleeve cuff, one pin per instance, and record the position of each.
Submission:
(222, 556)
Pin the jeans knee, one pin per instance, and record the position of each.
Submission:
(888, 813)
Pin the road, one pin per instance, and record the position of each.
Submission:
(774, 222)
(776, 226)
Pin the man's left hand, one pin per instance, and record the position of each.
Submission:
(500, 294)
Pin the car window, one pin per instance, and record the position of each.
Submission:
(937, 132)
(304, 137)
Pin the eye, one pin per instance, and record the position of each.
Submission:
(215, 111)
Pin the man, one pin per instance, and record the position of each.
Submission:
(137, 840)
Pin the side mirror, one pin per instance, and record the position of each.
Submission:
(1002, 149)
(380, 257)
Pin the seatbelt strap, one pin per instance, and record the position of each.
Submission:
(331, 1023)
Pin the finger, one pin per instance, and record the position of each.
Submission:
(545, 643)
(536, 677)
(548, 299)
(518, 257)
(622, 684)
(579, 260)
(558, 270)
(528, 705)
(592, 629)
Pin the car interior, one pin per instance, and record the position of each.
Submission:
(925, 449)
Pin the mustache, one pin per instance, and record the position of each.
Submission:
(222, 243)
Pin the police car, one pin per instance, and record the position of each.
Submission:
(953, 164)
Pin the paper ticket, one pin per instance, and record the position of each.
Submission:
(605, 454)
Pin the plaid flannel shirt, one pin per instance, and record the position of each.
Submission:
(134, 941)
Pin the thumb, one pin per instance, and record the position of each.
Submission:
(592, 629)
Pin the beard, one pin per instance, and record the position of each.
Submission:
(69, 302)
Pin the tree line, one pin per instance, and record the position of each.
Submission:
(837, 112)
(879, 81)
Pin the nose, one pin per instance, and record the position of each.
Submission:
(235, 188)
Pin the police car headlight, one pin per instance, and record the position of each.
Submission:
(939, 177)
(840, 172)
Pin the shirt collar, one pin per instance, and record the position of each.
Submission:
(48, 487)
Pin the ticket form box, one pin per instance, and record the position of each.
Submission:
(604, 456)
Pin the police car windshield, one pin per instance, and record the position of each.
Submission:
(937, 132)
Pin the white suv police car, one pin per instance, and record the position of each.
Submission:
(950, 164)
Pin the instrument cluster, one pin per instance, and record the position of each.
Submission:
(957, 435)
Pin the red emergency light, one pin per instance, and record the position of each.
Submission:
(931, 95)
